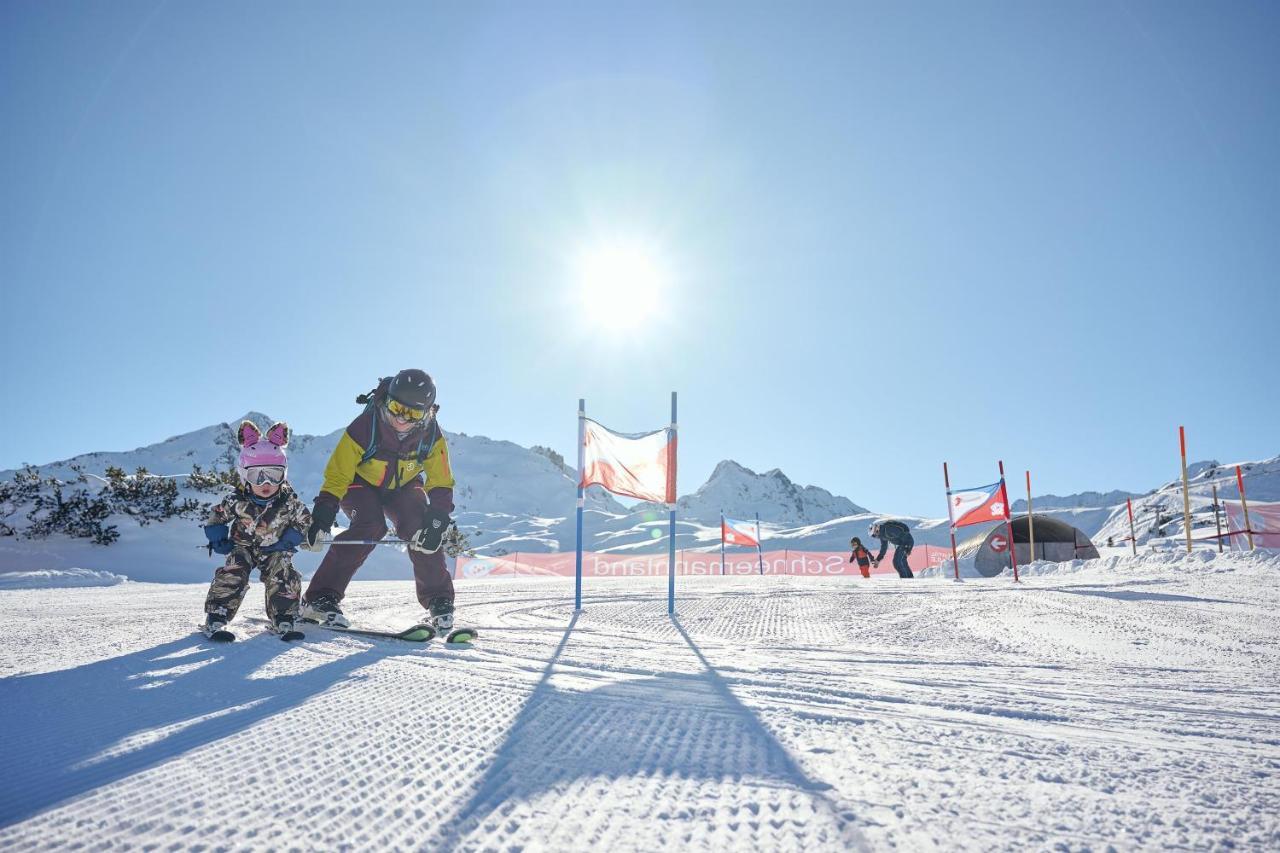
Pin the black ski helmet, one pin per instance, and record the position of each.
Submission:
(413, 388)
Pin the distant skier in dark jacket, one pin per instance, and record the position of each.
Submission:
(860, 555)
(900, 535)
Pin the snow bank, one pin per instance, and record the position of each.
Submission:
(1155, 561)
(52, 578)
(1147, 562)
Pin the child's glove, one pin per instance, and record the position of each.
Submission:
(288, 542)
(429, 539)
(219, 539)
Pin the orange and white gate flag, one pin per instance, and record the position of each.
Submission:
(641, 465)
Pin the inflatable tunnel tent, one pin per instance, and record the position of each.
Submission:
(1056, 541)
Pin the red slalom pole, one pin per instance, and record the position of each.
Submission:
(1186, 490)
(1133, 536)
(955, 561)
(1008, 523)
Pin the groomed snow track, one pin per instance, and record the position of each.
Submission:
(1131, 703)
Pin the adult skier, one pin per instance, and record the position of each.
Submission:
(900, 535)
(391, 463)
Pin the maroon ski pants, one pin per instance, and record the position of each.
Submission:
(369, 509)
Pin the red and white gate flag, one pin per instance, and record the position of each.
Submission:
(635, 465)
(976, 506)
(734, 532)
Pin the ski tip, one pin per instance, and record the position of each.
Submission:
(462, 636)
(417, 634)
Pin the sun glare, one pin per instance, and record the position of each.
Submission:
(620, 285)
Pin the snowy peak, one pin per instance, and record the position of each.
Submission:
(739, 492)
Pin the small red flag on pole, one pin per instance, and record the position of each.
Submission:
(1008, 523)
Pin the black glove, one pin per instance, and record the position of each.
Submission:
(434, 526)
(323, 515)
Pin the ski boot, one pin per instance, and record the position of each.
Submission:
(324, 610)
(284, 627)
(215, 626)
(440, 618)
(440, 615)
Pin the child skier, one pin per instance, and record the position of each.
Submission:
(259, 526)
(861, 555)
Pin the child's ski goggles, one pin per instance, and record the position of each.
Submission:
(262, 474)
(405, 413)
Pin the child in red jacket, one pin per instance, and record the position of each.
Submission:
(862, 556)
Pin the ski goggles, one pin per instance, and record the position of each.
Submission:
(405, 413)
(263, 474)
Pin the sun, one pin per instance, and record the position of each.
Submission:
(620, 284)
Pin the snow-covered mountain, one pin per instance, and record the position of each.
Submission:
(513, 498)
(739, 492)
(1080, 500)
(508, 497)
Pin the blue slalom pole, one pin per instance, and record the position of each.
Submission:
(759, 545)
(577, 575)
(671, 493)
(722, 542)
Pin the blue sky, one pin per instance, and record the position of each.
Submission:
(890, 234)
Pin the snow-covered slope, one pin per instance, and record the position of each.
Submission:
(1160, 513)
(1128, 704)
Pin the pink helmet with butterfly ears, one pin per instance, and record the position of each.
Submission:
(258, 450)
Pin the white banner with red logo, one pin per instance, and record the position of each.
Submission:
(605, 565)
(742, 533)
(635, 465)
(977, 506)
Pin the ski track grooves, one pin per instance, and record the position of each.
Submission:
(773, 713)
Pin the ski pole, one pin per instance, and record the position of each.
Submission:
(344, 542)
(365, 542)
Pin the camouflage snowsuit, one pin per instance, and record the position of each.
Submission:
(254, 527)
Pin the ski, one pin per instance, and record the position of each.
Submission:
(419, 633)
(413, 634)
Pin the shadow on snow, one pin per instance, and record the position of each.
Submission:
(74, 730)
(675, 726)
